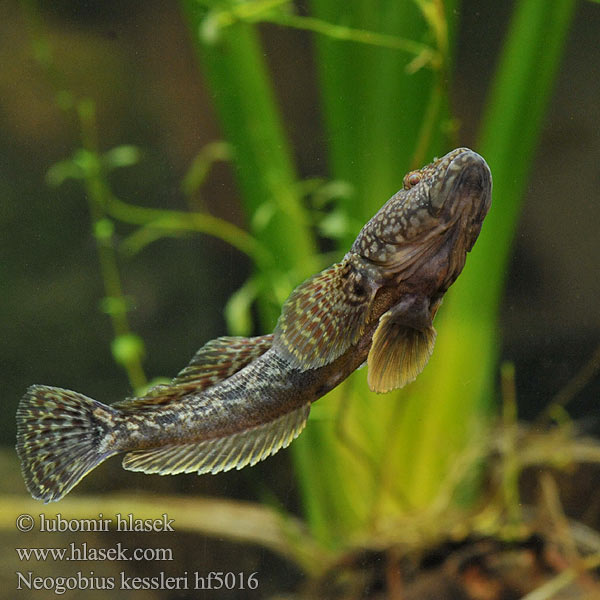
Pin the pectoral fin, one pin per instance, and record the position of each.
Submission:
(324, 316)
(399, 352)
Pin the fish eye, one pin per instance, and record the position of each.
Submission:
(359, 290)
(411, 179)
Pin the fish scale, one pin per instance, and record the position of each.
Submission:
(240, 400)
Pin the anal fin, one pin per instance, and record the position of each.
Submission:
(217, 360)
(224, 453)
(402, 345)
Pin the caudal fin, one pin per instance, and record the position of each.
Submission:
(61, 436)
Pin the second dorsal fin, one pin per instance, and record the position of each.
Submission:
(215, 361)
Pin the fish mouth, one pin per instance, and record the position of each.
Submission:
(465, 187)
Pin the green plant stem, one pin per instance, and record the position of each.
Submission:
(95, 186)
(96, 191)
(173, 220)
(268, 11)
(235, 68)
(427, 55)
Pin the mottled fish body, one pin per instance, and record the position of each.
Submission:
(242, 399)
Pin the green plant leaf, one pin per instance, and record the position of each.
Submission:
(121, 156)
(127, 348)
(62, 171)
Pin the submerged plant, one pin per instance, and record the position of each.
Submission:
(384, 82)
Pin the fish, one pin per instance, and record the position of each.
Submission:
(241, 399)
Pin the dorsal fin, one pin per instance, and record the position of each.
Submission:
(215, 361)
(224, 453)
(324, 316)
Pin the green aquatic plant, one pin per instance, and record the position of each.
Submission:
(385, 75)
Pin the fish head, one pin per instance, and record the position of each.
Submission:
(438, 211)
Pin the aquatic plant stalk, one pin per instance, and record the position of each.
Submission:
(234, 65)
(363, 457)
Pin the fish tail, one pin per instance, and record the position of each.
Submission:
(61, 437)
